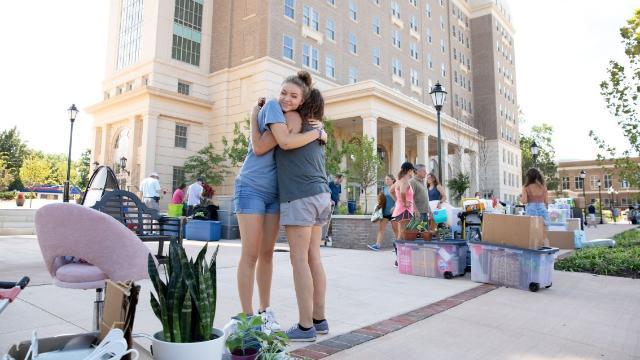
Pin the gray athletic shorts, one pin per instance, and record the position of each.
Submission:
(310, 211)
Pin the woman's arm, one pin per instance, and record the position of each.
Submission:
(443, 195)
(546, 202)
(403, 193)
(287, 141)
(392, 191)
(261, 143)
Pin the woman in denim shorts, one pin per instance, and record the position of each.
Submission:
(534, 195)
(256, 193)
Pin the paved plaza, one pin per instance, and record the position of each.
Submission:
(581, 317)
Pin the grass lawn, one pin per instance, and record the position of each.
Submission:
(623, 260)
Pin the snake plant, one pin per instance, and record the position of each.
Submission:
(186, 297)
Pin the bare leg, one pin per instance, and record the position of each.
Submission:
(299, 238)
(251, 237)
(264, 270)
(401, 228)
(394, 227)
(382, 224)
(317, 273)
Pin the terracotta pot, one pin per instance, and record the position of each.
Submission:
(410, 235)
(20, 202)
(426, 235)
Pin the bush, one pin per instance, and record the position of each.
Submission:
(623, 260)
(7, 195)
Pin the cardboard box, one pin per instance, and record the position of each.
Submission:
(562, 239)
(573, 224)
(578, 202)
(520, 231)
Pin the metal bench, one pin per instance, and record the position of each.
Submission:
(147, 223)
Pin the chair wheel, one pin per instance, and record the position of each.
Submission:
(448, 275)
(534, 286)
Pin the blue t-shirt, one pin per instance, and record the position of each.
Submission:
(389, 202)
(259, 172)
(336, 189)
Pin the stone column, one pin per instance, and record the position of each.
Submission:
(423, 149)
(475, 171)
(398, 155)
(105, 146)
(148, 156)
(370, 129)
(132, 150)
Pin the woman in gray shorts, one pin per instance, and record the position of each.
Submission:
(305, 205)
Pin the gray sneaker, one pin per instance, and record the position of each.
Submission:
(296, 334)
(322, 328)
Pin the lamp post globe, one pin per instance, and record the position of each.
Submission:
(73, 112)
(439, 96)
(534, 152)
(583, 175)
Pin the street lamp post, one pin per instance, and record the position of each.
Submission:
(73, 112)
(600, 199)
(438, 96)
(534, 153)
(583, 176)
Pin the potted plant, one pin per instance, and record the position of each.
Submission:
(245, 342)
(274, 346)
(20, 199)
(185, 303)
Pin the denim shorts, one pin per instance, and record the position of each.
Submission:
(538, 209)
(250, 201)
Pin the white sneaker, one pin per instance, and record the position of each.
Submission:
(270, 322)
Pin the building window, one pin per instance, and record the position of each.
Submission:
(396, 39)
(310, 57)
(311, 18)
(429, 38)
(353, 10)
(413, 24)
(178, 177)
(415, 78)
(376, 56)
(376, 25)
(130, 35)
(429, 61)
(624, 184)
(395, 9)
(608, 180)
(181, 136)
(331, 29)
(441, 23)
(428, 10)
(353, 75)
(594, 182)
(443, 69)
(187, 31)
(413, 51)
(287, 47)
(332, 2)
(330, 67)
(414, 2)
(289, 9)
(353, 43)
(443, 46)
(397, 67)
(504, 178)
(184, 88)
(579, 183)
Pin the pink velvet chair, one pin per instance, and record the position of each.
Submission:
(107, 248)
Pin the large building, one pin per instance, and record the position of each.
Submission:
(181, 73)
(614, 190)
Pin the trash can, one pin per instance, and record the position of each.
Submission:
(351, 207)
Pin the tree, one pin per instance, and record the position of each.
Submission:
(459, 185)
(621, 93)
(34, 171)
(14, 150)
(237, 150)
(333, 152)
(365, 163)
(5, 175)
(545, 162)
(206, 164)
(82, 166)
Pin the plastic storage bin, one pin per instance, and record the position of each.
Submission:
(174, 210)
(512, 267)
(439, 259)
(203, 230)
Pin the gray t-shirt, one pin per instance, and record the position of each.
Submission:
(419, 196)
(301, 171)
(259, 172)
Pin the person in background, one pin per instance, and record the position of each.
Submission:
(420, 196)
(615, 212)
(194, 195)
(435, 190)
(591, 220)
(150, 188)
(386, 203)
(403, 193)
(534, 195)
(631, 215)
(178, 195)
(336, 189)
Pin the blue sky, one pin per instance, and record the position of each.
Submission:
(562, 50)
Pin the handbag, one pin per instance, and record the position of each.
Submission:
(377, 215)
